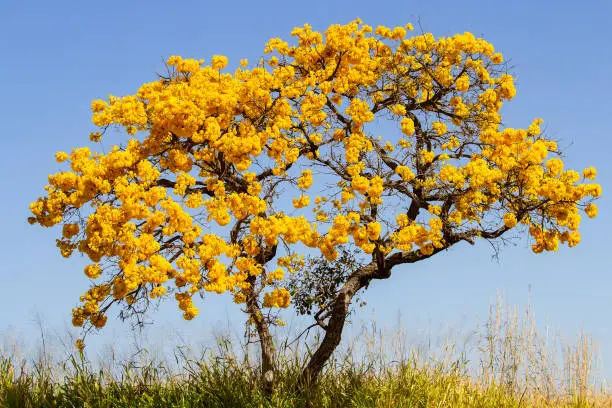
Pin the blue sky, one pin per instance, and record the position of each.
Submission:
(61, 55)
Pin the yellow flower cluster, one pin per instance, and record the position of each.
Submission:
(451, 174)
(290, 229)
(376, 189)
(301, 202)
(277, 298)
(360, 112)
(405, 173)
(439, 128)
(185, 303)
(305, 181)
(407, 126)
(510, 220)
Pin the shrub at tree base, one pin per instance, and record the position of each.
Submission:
(198, 197)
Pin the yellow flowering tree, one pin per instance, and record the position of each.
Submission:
(227, 179)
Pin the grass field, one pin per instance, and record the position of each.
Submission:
(509, 363)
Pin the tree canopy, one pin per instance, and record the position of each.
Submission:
(227, 179)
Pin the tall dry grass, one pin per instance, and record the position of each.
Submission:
(506, 362)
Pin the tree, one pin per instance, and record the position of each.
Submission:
(199, 198)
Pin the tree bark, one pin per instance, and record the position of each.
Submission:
(266, 343)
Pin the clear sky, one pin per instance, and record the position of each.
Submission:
(58, 56)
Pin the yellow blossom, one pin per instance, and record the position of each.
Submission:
(510, 220)
(61, 156)
(589, 173)
(279, 298)
(439, 128)
(305, 181)
(301, 202)
(407, 126)
(591, 210)
(219, 61)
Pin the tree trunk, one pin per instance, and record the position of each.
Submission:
(268, 354)
(335, 325)
(266, 343)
